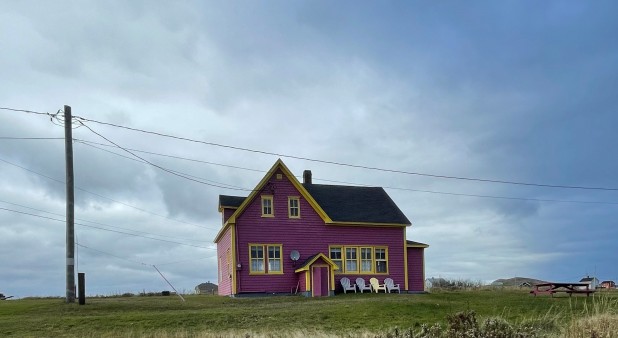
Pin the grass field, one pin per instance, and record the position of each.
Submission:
(343, 315)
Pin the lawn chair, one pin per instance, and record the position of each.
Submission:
(345, 283)
(375, 285)
(360, 283)
(390, 285)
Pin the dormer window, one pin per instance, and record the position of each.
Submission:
(294, 207)
(267, 206)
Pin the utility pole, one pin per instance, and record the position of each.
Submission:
(70, 199)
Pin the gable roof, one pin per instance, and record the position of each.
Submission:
(357, 204)
(588, 279)
(233, 202)
(412, 244)
(311, 259)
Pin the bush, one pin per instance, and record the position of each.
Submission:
(465, 325)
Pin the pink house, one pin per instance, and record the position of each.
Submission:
(292, 237)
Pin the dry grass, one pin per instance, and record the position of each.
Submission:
(232, 334)
(597, 326)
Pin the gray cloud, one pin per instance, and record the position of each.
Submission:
(509, 91)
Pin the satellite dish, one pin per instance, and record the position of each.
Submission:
(294, 255)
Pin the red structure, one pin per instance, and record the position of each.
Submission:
(292, 237)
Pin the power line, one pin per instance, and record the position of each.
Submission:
(82, 119)
(109, 230)
(30, 138)
(170, 156)
(103, 224)
(474, 195)
(25, 111)
(111, 254)
(365, 185)
(357, 184)
(137, 160)
(107, 198)
(136, 262)
(163, 168)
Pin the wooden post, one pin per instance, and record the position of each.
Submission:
(81, 282)
(70, 204)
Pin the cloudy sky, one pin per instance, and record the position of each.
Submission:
(518, 91)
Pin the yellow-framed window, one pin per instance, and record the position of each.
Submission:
(366, 259)
(351, 259)
(294, 207)
(268, 208)
(381, 259)
(275, 264)
(266, 258)
(256, 256)
(335, 256)
(355, 259)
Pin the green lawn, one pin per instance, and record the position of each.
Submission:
(340, 315)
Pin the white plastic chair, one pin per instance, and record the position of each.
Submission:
(360, 283)
(376, 286)
(345, 283)
(391, 286)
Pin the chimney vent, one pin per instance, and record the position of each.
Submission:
(307, 177)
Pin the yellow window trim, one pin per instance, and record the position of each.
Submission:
(265, 259)
(272, 205)
(359, 260)
(290, 199)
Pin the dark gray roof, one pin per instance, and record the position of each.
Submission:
(415, 243)
(230, 201)
(356, 204)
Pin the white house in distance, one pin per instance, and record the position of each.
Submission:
(592, 282)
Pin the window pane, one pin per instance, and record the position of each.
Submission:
(257, 251)
(335, 253)
(274, 252)
(381, 266)
(257, 265)
(366, 262)
(274, 265)
(294, 208)
(351, 265)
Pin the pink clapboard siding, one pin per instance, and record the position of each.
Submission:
(416, 275)
(225, 279)
(309, 235)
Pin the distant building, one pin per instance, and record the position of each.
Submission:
(608, 284)
(207, 288)
(592, 282)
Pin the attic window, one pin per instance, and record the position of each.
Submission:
(279, 176)
(294, 207)
(267, 206)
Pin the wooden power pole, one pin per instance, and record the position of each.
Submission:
(70, 199)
